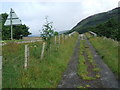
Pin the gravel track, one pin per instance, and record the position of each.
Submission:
(108, 79)
(70, 78)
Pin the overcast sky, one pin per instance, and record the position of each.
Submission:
(64, 15)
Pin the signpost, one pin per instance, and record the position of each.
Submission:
(12, 19)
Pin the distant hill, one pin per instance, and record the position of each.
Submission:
(34, 35)
(0, 23)
(83, 26)
(61, 32)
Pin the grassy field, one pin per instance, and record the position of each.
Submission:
(108, 50)
(45, 73)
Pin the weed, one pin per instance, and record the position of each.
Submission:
(81, 87)
(87, 78)
(88, 86)
(96, 69)
(97, 76)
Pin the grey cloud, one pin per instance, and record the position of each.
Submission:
(64, 15)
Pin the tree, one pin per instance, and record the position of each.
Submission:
(108, 29)
(48, 32)
(18, 31)
(55, 33)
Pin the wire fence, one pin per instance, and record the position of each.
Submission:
(12, 71)
(14, 60)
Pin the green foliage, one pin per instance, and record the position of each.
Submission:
(81, 87)
(48, 32)
(45, 73)
(96, 69)
(55, 33)
(88, 86)
(18, 31)
(104, 24)
(108, 29)
(84, 87)
(83, 67)
(97, 76)
(12, 64)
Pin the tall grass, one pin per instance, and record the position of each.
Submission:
(45, 73)
(13, 58)
(48, 72)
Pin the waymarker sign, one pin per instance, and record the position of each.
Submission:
(12, 19)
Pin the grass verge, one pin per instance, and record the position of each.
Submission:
(108, 50)
(44, 73)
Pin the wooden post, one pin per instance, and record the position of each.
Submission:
(43, 49)
(59, 39)
(11, 24)
(26, 56)
(28, 53)
(55, 39)
(63, 38)
(69, 35)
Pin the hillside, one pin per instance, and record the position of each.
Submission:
(96, 19)
(0, 23)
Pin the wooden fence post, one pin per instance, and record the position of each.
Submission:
(26, 56)
(63, 38)
(66, 36)
(55, 39)
(43, 49)
(59, 39)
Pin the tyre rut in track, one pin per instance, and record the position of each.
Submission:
(70, 79)
(108, 79)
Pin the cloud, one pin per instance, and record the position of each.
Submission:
(64, 15)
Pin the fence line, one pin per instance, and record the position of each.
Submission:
(14, 60)
(25, 57)
(21, 62)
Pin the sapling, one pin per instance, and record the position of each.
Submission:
(47, 34)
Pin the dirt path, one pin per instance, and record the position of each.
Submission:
(108, 79)
(70, 79)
